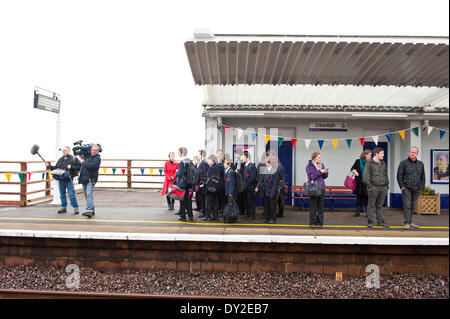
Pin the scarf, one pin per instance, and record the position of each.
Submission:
(318, 166)
(362, 164)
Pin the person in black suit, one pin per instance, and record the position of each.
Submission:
(280, 199)
(230, 181)
(186, 204)
(270, 180)
(238, 167)
(249, 180)
(211, 189)
(362, 196)
(201, 194)
(221, 194)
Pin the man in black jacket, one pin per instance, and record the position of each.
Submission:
(249, 179)
(411, 179)
(71, 165)
(88, 178)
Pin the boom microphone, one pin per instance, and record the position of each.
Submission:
(35, 150)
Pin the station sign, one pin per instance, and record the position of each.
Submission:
(46, 103)
(328, 126)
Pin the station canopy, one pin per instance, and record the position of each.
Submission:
(279, 74)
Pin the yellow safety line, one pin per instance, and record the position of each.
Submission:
(200, 223)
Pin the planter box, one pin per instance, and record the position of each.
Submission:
(428, 205)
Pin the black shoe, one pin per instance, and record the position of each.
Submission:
(191, 219)
(76, 211)
(62, 210)
(170, 208)
(177, 214)
(384, 225)
(182, 219)
(266, 220)
(370, 226)
(273, 221)
(89, 214)
(356, 214)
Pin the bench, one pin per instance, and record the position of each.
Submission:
(332, 193)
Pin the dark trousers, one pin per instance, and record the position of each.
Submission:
(316, 210)
(249, 204)
(377, 195)
(186, 205)
(241, 203)
(409, 198)
(280, 205)
(212, 205)
(170, 202)
(360, 200)
(201, 199)
(222, 198)
(270, 208)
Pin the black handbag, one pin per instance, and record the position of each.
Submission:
(312, 189)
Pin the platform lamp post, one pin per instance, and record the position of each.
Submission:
(51, 103)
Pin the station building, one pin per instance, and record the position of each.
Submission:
(366, 91)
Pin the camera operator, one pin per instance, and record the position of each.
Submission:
(71, 165)
(88, 177)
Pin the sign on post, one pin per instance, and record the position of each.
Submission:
(46, 103)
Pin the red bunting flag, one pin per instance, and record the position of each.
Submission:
(362, 139)
(29, 175)
(123, 170)
(294, 140)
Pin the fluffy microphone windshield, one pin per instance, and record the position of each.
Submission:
(35, 149)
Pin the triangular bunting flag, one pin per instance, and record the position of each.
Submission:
(307, 142)
(21, 176)
(227, 128)
(8, 177)
(254, 135)
(142, 171)
(280, 141)
(267, 138)
(441, 134)
(123, 170)
(320, 143)
(335, 143)
(114, 171)
(349, 142)
(361, 140)
(416, 131)
(151, 171)
(429, 129)
(402, 134)
(389, 136)
(293, 141)
(160, 171)
(104, 170)
(240, 132)
(43, 175)
(49, 176)
(375, 139)
(29, 175)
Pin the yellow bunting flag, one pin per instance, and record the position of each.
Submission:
(104, 170)
(49, 176)
(335, 143)
(267, 139)
(402, 134)
(151, 171)
(8, 176)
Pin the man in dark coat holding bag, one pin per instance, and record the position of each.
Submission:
(88, 178)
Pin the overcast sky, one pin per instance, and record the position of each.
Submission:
(122, 71)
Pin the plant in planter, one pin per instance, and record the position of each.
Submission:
(429, 202)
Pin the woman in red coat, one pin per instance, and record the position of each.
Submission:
(170, 168)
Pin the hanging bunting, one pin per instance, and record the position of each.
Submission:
(160, 171)
(389, 136)
(43, 175)
(320, 143)
(29, 176)
(123, 171)
(21, 176)
(307, 142)
(441, 134)
(280, 141)
(254, 135)
(293, 141)
(429, 129)
(151, 171)
(402, 134)
(8, 177)
(375, 139)
(335, 143)
(349, 142)
(114, 171)
(361, 140)
(227, 128)
(142, 171)
(49, 176)
(267, 138)
(104, 170)
(416, 131)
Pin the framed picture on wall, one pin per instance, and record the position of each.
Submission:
(439, 166)
(240, 148)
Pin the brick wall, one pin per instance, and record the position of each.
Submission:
(219, 256)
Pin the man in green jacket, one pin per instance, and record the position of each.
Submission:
(377, 182)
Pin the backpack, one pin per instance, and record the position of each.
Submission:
(230, 212)
(239, 183)
(212, 183)
(192, 174)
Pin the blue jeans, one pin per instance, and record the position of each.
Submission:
(63, 185)
(88, 190)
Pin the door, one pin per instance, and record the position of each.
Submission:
(284, 152)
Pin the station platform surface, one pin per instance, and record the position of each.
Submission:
(144, 213)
